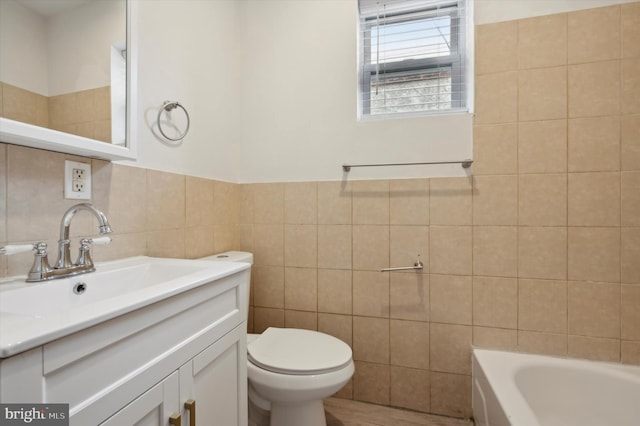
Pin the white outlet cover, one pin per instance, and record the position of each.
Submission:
(69, 193)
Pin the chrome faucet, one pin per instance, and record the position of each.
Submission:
(41, 271)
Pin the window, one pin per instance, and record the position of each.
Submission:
(412, 57)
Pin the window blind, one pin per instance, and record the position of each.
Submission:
(412, 57)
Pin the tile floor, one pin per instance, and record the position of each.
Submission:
(344, 412)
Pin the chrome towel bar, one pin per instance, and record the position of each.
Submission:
(465, 164)
(417, 265)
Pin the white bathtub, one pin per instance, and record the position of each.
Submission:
(534, 390)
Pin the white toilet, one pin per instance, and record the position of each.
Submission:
(291, 371)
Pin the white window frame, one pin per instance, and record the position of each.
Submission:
(456, 62)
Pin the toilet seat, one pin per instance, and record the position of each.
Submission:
(298, 352)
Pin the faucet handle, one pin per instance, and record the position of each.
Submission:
(20, 248)
(99, 240)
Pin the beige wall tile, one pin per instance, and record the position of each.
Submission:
(167, 243)
(594, 199)
(19, 104)
(542, 343)
(268, 203)
(630, 255)
(199, 241)
(594, 35)
(301, 319)
(631, 86)
(630, 352)
(495, 302)
(62, 109)
(371, 294)
(226, 203)
(630, 151)
(496, 47)
(495, 251)
(496, 338)
(450, 201)
(542, 200)
(450, 251)
(594, 254)
(594, 144)
(264, 318)
(410, 388)
(340, 326)
(542, 252)
(409, 296)
(451, 300)
(630, 312)
(409, 202)
(542, 94)
(225, 238)
(121, 193)
(245, 215)
(496, 99)
(268, 244)
(630, 198)
(371, 383)
(371, 340)
(371, 202)
(495, 149)
(542, 146)
(595, 348)
(34, 214)
(121, 246)
(409, 244)
(542, 305)
(245, 238)
(451, 394)
(335, 291)
(450, 348)
(301, 246)
(630, 30)
(495, 200)
(300, 203)
(1, 99)
(594, 309)
(301, 289)
(594, 89)
(409, 344)
(199, 201)
(165, 200)
(334, 246)
(370, 247)
(268, 286)
(542, 41)
(334, 203)
(102, 103)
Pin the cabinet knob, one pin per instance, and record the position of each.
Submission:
(190, 405)
(174, 419)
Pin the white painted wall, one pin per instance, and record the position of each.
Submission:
(189, 52)
(299, 94)
(23, 55)
(79, 44)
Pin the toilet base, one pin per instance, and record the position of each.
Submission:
(309, 413)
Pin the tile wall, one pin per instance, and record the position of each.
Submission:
(86, 113)
(539, 251)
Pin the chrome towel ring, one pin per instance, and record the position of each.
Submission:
(168, 106)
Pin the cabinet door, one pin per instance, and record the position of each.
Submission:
(152, 408)
(216, 379)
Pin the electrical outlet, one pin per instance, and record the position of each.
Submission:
(77, 180)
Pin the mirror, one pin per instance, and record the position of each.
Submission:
(66, 76)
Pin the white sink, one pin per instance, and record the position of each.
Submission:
(32, 314)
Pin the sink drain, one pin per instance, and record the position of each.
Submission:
(79, 288)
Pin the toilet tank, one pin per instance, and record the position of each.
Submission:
(232, 256)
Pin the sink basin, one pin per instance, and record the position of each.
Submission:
(60, 295)
(34, 313)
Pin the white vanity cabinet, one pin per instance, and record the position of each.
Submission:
(141, 367)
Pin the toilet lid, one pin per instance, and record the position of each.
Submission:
(295, 351)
